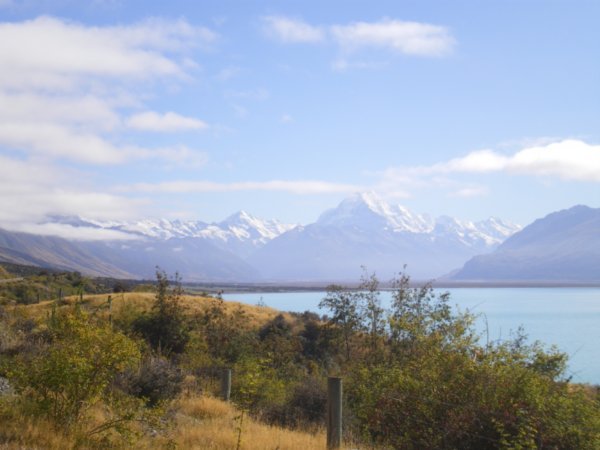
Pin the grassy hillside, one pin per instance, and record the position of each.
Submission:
(29, 284)
(195, 418)
(141, 370)
(127, 304)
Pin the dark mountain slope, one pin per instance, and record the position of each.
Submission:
(563, 246)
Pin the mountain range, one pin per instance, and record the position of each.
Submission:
(362, 230)
(366, 231)
(563, 246)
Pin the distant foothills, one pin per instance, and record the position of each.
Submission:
(362, 230)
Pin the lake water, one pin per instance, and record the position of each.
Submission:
(566, 317)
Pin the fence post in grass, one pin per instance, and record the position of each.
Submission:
(334, 412)
(226, 384)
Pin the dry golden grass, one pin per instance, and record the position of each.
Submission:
(142, 301)
(208, 423)
(32, 435)
(200, 423)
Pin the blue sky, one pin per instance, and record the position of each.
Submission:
(194, 110)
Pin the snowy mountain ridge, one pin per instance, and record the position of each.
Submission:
(239, 226)
(362, 230)
(368, 211)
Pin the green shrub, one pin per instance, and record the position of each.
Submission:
(64, 379)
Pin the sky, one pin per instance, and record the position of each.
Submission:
(123, 110)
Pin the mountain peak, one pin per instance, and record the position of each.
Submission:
(369, 211)
(240, 217)
(369, 200)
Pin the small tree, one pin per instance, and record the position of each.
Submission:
(346, 314)
(165, 327)
(373, 313)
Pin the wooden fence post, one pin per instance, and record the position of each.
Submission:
(226, 384)
(334, 412)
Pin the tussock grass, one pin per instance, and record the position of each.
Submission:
(200, 422)
(142, 301)
(18, 432)
(209, 423)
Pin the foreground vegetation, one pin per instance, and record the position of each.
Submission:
(138, 369)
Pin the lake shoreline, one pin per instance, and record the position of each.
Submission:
(292, 287)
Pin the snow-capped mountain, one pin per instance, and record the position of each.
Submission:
(240, 233)
(243, 233)
(363, 230)
(368, 211)
(485, 233)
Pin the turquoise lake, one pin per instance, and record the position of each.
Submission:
(566, 317)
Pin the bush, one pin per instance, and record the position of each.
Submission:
(437, 388)
(154, 381)
(64, 380)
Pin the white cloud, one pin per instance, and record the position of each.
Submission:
(63, 89)
(295, 187)
(177, 156)
(56, 54)
(168, 122)
(286, 118)
(410, 38)
(74, 233)
(58, 141)
(31, 190)
(289, 30)
(61, 142)
(85, 111)
(568, 160)
(397, 36)
(478, 161)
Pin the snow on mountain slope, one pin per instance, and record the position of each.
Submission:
(362, 230)
(365, 230)
(485, 233)
(244, 226)
(367, 210)
(240, 233)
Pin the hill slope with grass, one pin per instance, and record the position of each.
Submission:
(142, 370)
